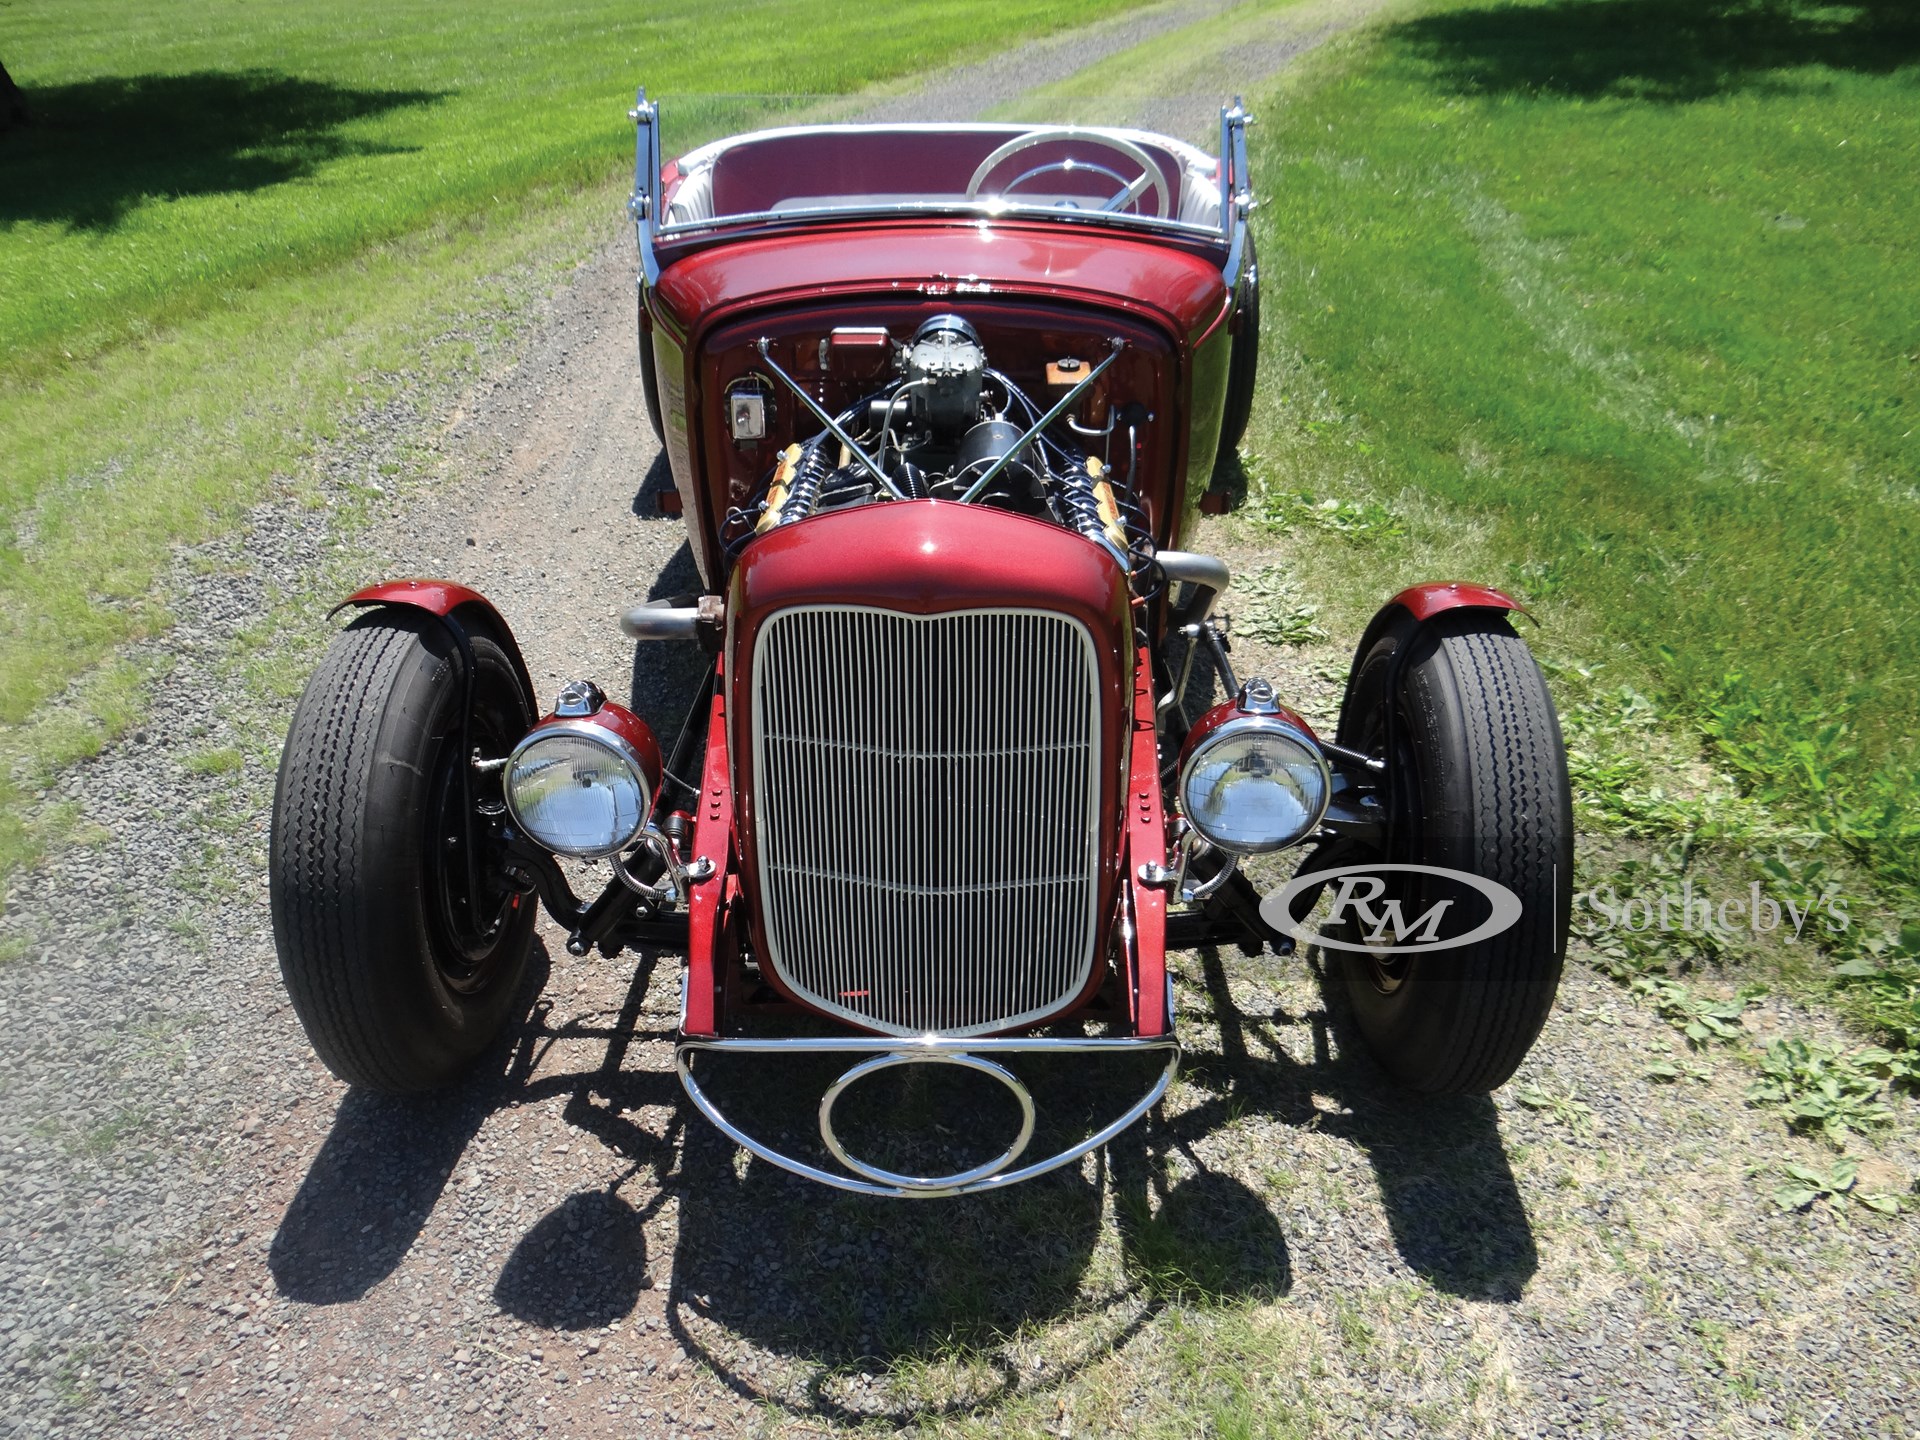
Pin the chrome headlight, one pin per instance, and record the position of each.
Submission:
(578, 788)
(1254, 783)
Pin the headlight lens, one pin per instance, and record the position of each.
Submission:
(578, 790)
(1254, 785)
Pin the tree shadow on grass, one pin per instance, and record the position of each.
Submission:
(98, 148)
(1668, 51)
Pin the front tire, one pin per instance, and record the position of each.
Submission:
(1480, 785)
(401, 970)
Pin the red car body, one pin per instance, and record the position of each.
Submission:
(935, 820)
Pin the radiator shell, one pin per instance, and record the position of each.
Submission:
(928, 559)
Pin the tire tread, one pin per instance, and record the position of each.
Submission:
(325, 775)
(1493, 801)
(1513, 772)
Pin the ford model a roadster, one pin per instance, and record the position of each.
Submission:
(940, 402)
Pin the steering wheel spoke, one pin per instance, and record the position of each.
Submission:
(1127, 196)
(1130, 192)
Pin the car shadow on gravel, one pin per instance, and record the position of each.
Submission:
(582, 1266)
(385, 1165)
(1451, 1201)
(840, 1288)
(862, 1297)
(365, 1197)
(656, 482)
(896, 1312)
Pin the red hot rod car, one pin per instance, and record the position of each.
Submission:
(940, 404)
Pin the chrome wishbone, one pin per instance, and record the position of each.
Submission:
(833, 425)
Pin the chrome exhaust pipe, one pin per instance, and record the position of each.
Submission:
(1206, 573)
(680, 618)
(659, 620)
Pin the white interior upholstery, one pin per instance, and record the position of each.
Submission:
(694, 199)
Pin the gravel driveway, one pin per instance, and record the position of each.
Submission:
(210, 1235)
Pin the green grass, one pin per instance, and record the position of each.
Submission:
(169, 441)
(1528, 320)
(182, 149)
(231, 227)
(223, 760)
(1623, 294)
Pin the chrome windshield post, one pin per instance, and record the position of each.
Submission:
(644, 203)
(1236, 188)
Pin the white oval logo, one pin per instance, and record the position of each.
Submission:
(1359, 900)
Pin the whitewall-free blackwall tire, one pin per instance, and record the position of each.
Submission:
(401, 972)
(1480, 786)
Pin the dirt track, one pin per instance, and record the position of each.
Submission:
(558, 1245)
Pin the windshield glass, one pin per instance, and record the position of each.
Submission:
(766, 158)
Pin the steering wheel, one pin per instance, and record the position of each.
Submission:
(1130, 190)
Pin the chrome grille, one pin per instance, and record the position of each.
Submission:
(926, 809)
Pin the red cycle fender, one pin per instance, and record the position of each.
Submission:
(1422, 602)
(448, 600)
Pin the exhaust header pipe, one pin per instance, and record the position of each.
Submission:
(681, 618)
(1206, 573)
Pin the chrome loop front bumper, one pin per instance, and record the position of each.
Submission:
(889, 1052)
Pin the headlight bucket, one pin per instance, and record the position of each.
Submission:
(583, 784)
(1252, 777)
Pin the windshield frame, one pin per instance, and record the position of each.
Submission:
(647, 207)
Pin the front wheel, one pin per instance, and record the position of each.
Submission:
(402, 952)
(1478, 785)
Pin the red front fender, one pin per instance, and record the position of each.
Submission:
(1423, 602)
(468, 608)
(1418, 604)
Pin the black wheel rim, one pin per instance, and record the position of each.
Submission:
(473, 910)
(1404, 828)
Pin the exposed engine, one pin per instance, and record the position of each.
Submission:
(951, 427)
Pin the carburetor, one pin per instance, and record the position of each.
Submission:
(945, 365)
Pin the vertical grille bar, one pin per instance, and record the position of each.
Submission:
(927, 811)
